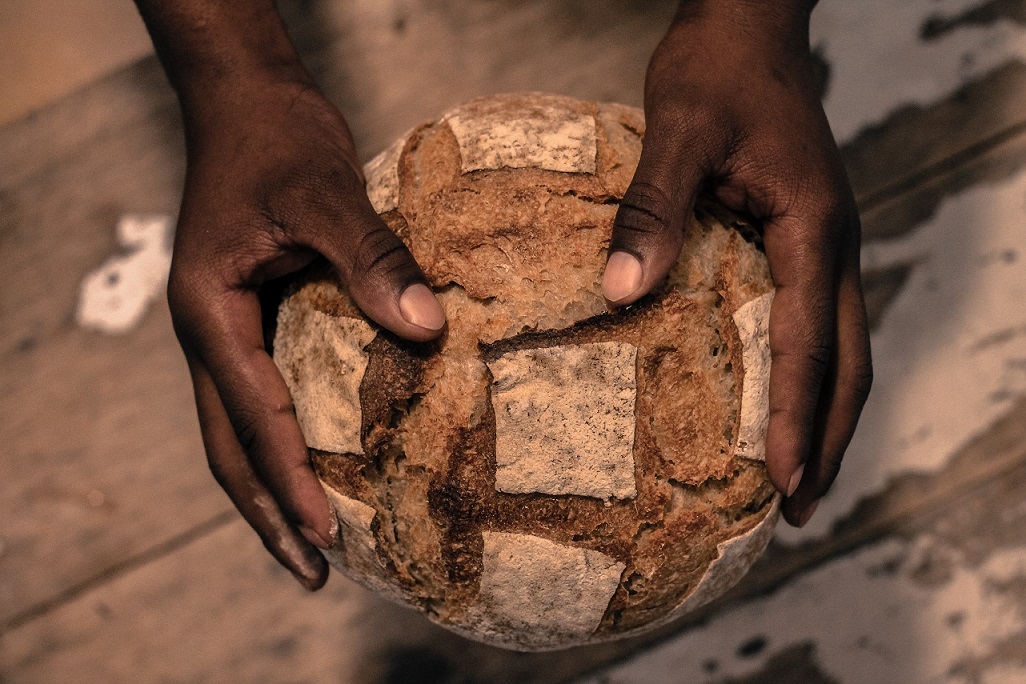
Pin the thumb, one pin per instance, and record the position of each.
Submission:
(649, 228)
(379, 271)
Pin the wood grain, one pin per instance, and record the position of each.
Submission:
(159, 576)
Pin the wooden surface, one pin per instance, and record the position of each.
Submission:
(121, 560)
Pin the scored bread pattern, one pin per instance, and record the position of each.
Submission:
(564, 420)
(752, 321)
(515, 256)
(323, 367)
(382, 174)
(540, 591)
(539, 133)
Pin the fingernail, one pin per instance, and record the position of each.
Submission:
(314, 537)
(419, 307)
(310, 582)
(796, 477)
(807, 514)
(622, 277)
(307, 582)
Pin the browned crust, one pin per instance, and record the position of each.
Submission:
(690, 486)
(692, 492)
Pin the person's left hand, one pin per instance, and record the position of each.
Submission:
(733, 110)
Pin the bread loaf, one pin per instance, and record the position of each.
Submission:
(549, 473)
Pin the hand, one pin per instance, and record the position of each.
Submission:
(273, 181)
(733, 110)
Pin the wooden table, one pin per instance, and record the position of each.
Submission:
(121, 560)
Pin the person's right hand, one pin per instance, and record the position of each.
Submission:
(273, 181)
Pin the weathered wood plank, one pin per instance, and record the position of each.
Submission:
(81, 125)
(917, 143)
(102, 458)
(60, 207)
(87, 415)
(71, 635)
(941, 595)
(221, 609)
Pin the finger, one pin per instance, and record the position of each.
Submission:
(380, 272)
(844, 394)
(801, 337)
(225, 332)
(649, 227)
(236, 476)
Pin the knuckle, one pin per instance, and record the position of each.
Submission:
(814, 355)
(319, 189)
(645, 212)
(817, 355)
(252, 423)
(244, 425)
(861, 381)
(380, 252)
(219, 471)
(185, 301)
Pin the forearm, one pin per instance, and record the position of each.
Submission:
(214, 51)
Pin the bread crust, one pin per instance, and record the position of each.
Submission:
(514, 254)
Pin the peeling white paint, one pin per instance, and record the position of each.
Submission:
(950, 351)
(879, 61)
(921, 611)
(113, 298)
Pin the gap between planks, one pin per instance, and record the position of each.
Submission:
(909, 184)
(120, 568)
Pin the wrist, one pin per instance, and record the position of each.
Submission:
(221, 54)
(785, 22)
(232, 95)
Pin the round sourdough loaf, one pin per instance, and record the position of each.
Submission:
(549, 473)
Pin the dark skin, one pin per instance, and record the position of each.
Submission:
(274, 182)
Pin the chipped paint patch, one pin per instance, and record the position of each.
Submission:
(864, 41)
(950, 352)
(564, 420)
(113, 298)
(922, 610)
